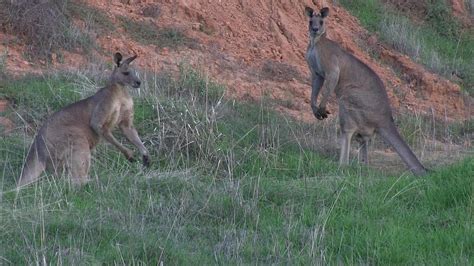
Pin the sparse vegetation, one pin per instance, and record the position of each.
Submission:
(151, 10)
(148, 33)
(441, 19)
(95, 20)
(404, 36)
(45, 26)
(440, 43)
(278, 71)
(230, 183)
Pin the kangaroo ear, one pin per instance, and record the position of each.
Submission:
(324, 12)
(129, 60)
(308, 11)
(117, 58)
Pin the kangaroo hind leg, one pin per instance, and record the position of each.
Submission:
(345, 147)
(363, 148)
(79, 163)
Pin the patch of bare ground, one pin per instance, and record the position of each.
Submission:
(433, 154)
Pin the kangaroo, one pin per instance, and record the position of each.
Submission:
(66, 139)
(364, 107)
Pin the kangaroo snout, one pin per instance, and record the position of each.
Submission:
(315, 29)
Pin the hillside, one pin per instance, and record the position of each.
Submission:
(255, 48)
(241, 172)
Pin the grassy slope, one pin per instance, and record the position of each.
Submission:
(230, 183)
(439, 43)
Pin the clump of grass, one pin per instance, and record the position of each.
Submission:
(45, 26)
(414, 126)
(189, 113)
(404, 35)
(199, 85)
(148, 33)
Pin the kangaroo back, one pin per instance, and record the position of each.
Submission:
(391, 135)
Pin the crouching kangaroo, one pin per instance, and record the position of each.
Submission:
(363, 102)
(66, 139)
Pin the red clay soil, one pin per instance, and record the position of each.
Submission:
(256, 48)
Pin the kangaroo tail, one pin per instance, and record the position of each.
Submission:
(35, 163)
(391, 135)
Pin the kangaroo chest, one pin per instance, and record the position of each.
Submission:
(313, 58)
(121, 108)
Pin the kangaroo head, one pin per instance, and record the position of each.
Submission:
(124, 74)
(317, 26)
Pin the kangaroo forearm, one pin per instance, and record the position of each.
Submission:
(316, 84)
(112, 140)
(328, 89)
(330, 83)
(132, 135)
(324, 99)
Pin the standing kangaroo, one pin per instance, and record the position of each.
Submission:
(363, 102)
(66, 139)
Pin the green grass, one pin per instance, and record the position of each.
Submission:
(52, 92)
(440, 43)
(230, 183)
(406, 220)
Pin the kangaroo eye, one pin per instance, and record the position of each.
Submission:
(126, 73)
(321, 23)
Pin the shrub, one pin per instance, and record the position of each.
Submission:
(45, 26)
